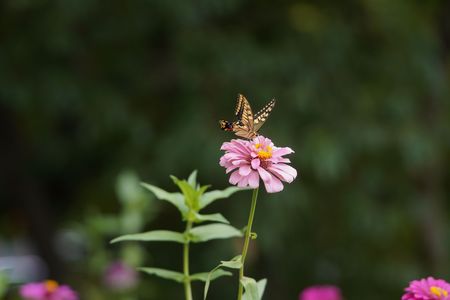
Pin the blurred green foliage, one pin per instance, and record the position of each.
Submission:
(4, 281)
(88, 88)
(136, 209)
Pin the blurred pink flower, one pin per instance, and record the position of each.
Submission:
(427, 289)
(321, 292)
(47, 290)
(251, 160)
(120, 276)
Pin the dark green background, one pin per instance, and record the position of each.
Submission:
(89, 88)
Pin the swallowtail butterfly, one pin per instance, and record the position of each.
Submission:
(247, 124)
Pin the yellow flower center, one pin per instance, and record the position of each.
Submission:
(51, 286)
(437, 291)
(264, 153)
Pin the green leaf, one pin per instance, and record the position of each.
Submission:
(203, 189)
(176, 199)
(213, 231)
(189, 192)
(192, 179)
(163, 273)
(212, 217)
(251, 288)
(260, 285)
(212, 276)
(234, 263)
(212, 196)
(153, 236)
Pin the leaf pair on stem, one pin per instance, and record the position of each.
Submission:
(192, 199)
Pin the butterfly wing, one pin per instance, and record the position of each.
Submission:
(244, 124)
(262, 115)
(232, 126)
(239, 103)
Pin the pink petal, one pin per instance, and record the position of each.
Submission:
(231, 147)
(327, 292)
(263, 141)
(225, 146)
(231, 156)
(243, 182)
(271, 183)
(281, 175)
(282, 151)
(274, 185)
(64, 292)
(286, 168)
(244, 170)
(284, 160)
(258, 140)
(237, 146)
(238, 162)
(253, 179)
(33, 290)
(265, 176)
(231, 168)
(255, 163)
(235, 177)
(224, 163)
(284, 172)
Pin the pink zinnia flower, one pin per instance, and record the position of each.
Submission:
(427, 289)
(321, 292)
(120, 276)
(251, 160)
(47, 290)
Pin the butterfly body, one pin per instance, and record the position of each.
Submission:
(247, 124)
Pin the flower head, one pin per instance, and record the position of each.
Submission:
(321, 292)
(259, 158)
(47, 290)
(120, 276)
(427, 289)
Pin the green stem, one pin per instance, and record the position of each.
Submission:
(247, 241)
(187, 280)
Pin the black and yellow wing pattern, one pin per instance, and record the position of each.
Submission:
(262, 115)
(247, 124)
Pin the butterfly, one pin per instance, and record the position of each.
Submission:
(247, 124)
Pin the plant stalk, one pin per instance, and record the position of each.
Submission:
(187, 280)
(248, 232)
